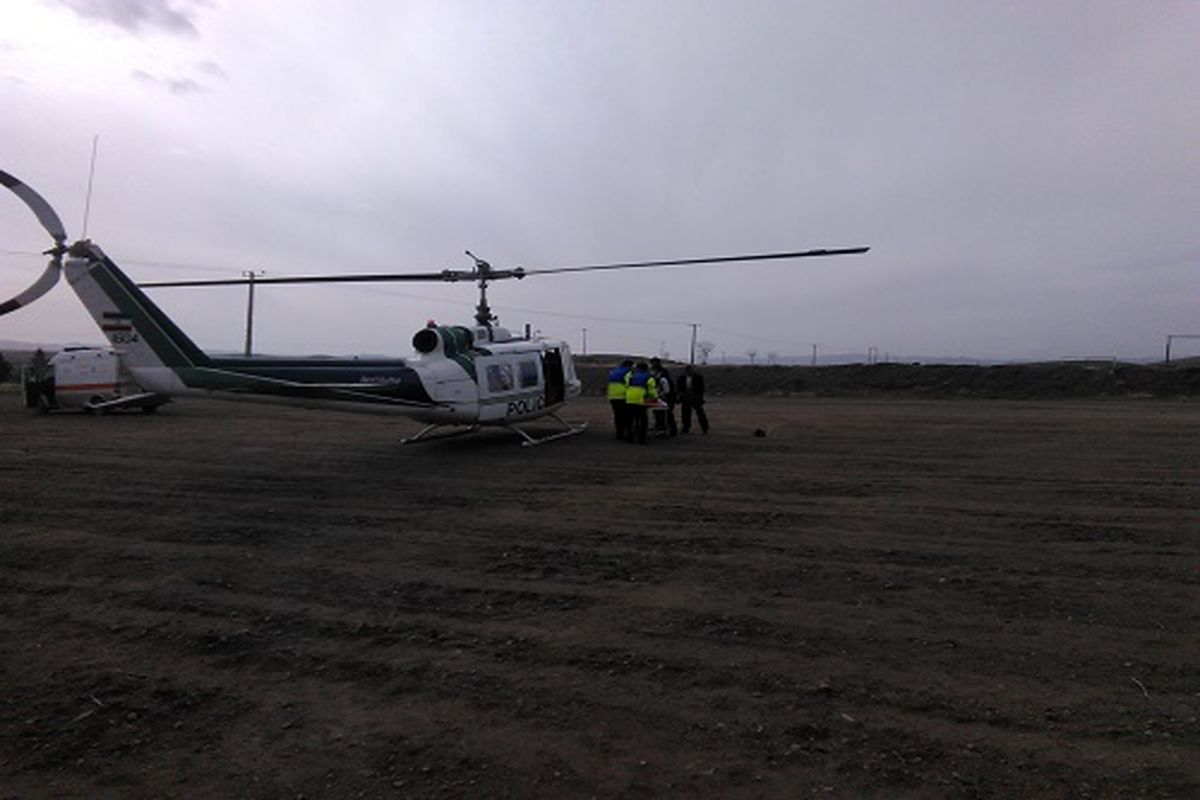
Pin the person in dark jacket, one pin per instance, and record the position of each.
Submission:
(691, 397)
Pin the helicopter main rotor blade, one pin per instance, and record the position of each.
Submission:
(43, 284)
(489, 274)
(381, 277)
(38, 205)
(680, 262)
(53, 226)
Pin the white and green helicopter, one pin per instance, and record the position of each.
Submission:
(459, 378)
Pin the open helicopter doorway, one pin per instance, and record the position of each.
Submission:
(552, 369)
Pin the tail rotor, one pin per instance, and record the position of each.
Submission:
(53, 225)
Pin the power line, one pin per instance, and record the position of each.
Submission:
(728, 332)
(598, 319)
(180, 265)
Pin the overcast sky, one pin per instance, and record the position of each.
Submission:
(1027, 174)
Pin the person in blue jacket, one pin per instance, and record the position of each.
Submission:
(618, 383)
(642, 391)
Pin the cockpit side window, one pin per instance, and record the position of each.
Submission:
(499, 378)
(529, 374)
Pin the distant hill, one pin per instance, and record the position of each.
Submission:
(13, 346)
(19, 357)
(1014, 381)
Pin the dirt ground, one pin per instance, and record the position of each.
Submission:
(880, 599)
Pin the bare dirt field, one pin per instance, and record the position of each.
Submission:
(878, 599)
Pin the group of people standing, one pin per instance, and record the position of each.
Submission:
(636, 389)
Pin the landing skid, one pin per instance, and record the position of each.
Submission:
(146, 401)
(568, 430)
(424, 435)
(427, 434)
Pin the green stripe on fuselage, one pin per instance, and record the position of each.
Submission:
(404, 389)
(457, 345)
(149, 322)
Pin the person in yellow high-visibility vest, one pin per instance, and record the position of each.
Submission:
(618, 384)
(642, 391)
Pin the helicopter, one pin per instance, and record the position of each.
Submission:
(459, 379)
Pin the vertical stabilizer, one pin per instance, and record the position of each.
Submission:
(150, 345)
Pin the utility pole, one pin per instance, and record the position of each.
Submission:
(585, 341)
(692, 357)
(814, 355)
(1170, 336)
(250, 276)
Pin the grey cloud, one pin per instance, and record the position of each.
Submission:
(10, 78)
(136, 16)
(212, 69)
(176, 86)
(203, 74)
(184, 86)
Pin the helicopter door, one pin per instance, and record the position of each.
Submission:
(552, 368)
